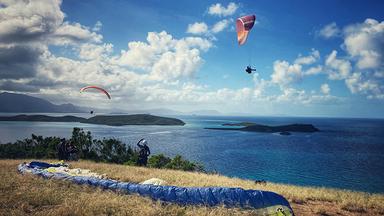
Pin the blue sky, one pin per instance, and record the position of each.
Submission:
(313, 58)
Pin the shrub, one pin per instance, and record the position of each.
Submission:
(158, 161)
(106, 150)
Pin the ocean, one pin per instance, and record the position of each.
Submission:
(346, 153)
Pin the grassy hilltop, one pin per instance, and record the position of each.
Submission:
(28, 194)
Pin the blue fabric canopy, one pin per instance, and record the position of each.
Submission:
(263, 202)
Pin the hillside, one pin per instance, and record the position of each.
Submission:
(15, 103)
(138, 119)
(113, 120)
(27, 194)
(42, 118)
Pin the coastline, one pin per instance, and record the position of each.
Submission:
(43, 196)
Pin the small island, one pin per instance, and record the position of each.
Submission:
(111, 120)
(282, 129)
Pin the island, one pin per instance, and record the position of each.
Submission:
(111, 120)
(282, 129)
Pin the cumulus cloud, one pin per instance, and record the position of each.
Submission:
(325, 89)
(97, 26)
(296, 96)
(27, 28)
(362, 65)
(197, 28)
(306, 60)
(24, 21)
(365, 41)
(329, 31)
(70, 33)
(19, 61)
(285, 73)
(165, 57)
(314, 70)
(357, 83)
(220, 26)
(154, 71)
(260, 85)
(337, 69)
(90, 51)
(220, 10)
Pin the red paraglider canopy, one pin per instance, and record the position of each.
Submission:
(243, 26)
(98, 88)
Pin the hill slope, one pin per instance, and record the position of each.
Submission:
(113, 120)
(11, 102)
(27, 194)
(138, 119)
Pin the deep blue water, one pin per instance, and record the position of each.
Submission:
(347, 153)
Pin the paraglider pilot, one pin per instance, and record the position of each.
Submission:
(144, 152)
(249, 69)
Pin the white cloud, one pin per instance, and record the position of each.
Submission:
(260, 85)
(325, 89)
(307, 60)
(69, 33)
(97, 26)
(285, 74)
(220, 26)
(365, 42)
(151, 72)
(314, 70)
(164, 57)
(197, 28)
(337, 69)
(219, 10)
(329, 31)
(24, 21)
(295, 96)
(94, 51)
(362, 67)
(357, 83)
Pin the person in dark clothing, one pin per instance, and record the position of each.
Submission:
(144, 152)
(249, 69)
(62, 150)
(72, 152)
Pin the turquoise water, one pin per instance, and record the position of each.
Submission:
(347, 153)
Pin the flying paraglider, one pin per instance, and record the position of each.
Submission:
(243, 26)
(95, 87)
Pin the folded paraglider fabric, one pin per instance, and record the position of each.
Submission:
(75, 172)
(43, 165)
(154, 181)
(261, 202)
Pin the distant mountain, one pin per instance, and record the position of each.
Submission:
(11, 102)
(21, 103)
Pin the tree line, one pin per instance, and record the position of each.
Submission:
(108, 150)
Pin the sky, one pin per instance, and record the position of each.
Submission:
(313, 58)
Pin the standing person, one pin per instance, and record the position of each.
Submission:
(62, 149)
(144, 152)
(72, 151)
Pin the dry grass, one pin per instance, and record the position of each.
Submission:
(27, 194)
